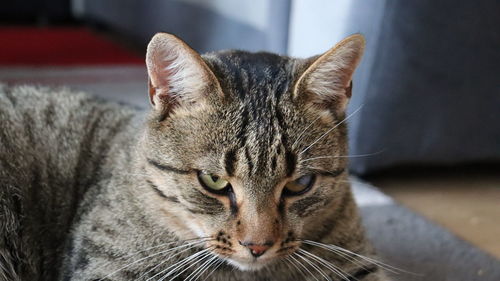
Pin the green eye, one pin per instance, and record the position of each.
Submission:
(299, 186)
(212, 183)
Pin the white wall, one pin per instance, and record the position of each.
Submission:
(316, 25)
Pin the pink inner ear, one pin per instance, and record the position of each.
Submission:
(159, 81)
(160, 92)
(160, 68)
(177, 73)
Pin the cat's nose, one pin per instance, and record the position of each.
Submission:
(257, 250)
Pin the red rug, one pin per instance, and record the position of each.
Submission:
(31, 46)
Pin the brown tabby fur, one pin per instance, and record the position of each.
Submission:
(91, 191)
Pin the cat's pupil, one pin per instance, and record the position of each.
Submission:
(215, 178)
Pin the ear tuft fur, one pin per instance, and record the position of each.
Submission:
(327, 81)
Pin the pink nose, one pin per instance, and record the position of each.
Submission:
(257, 250)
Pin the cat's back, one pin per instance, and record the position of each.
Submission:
(54, 145)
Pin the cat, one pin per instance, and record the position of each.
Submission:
(238, 172)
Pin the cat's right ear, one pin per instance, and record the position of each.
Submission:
(177, 74)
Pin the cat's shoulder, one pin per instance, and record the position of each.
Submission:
(33, 95)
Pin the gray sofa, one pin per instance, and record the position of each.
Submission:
(430, 85)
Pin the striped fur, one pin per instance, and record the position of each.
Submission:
(91, 190)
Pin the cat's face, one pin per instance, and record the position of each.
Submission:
(246, 149)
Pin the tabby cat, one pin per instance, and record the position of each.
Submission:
(237, 173)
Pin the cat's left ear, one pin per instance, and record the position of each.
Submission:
(177, 73)
(327, 82)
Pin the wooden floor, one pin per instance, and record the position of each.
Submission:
(466, 203)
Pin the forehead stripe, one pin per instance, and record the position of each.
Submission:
(161, 194)
(156, 189)
(167, 168)
(230, 161)
(249, 161)
(291, 162)
(242, 137)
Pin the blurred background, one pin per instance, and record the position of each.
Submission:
(428, 132)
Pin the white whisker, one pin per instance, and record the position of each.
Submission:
(327, 264)
(319, 169)
(341, 254)
(296, 267)
(341, 156)
(199, 259)
(331, 129)
(219, 263)
(155, 254)
(214, 262)
(379, 263)
(336, 249)
(196, 274)
(316, 267)
(303, 131)
(303, 266)
(165, 260)
(176, 265)
(134, 254)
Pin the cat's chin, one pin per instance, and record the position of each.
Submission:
(251, 265)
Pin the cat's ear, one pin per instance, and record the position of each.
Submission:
(326, 82)
(177, 74)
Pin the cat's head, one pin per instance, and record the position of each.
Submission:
(246, 149)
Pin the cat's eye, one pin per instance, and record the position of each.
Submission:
(213, 183)
(299, 186)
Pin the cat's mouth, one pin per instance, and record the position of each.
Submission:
(245, 262)
(254, 264)
(251, 264)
